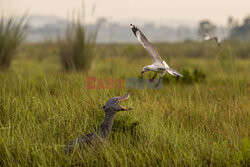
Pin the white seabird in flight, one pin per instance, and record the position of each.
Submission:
(216, 39)
(159, 65)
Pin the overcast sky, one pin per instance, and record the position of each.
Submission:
(155, 11)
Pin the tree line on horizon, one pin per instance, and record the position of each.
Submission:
(77, 42)
(236, 31)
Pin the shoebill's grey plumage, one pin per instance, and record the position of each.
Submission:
(103, 132)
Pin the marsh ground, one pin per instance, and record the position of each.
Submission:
(203, 120)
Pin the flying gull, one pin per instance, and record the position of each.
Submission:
(159, 65)
(216, 39)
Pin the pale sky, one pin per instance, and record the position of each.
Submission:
(154, 11)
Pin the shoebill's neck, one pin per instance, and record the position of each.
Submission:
(107, 124)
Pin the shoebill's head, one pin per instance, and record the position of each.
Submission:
(113, 106)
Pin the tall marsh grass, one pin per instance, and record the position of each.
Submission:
(197, 124)
(76, 48)
(12, 33)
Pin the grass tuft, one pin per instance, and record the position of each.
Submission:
(12, 34)
(76, 48)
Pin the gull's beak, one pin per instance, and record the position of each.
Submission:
(124, 98)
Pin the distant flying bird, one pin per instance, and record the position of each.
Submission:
(216, 39)
(159, 65)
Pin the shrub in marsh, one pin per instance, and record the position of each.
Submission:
(193, 76)
(76, 48)
(12, 33)
(190, 76)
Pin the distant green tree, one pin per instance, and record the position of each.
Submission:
(232, 22)
(241, 32)
(206, 27)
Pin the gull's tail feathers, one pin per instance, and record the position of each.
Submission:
(173, 72)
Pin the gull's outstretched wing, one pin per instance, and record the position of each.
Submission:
(147, 45)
